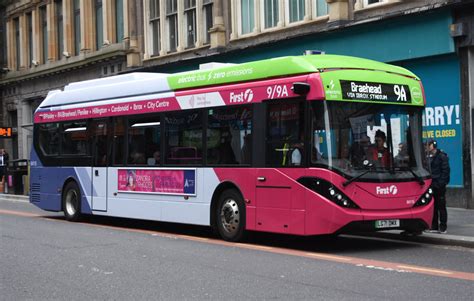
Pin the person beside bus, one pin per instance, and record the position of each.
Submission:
(440, 170)
(3, 165)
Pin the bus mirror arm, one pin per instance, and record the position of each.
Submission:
(300, 88)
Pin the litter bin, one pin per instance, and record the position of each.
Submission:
(16, 170)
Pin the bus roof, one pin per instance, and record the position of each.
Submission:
(135, 84)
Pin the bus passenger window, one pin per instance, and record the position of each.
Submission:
(49, 138)
(285, 134)
(74, 138)
(229, 136)
(119, 141)
(144, 140)
(183, 132)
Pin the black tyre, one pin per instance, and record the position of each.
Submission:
(72, 202)
(230, 216)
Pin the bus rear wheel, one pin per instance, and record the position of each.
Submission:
(72, 202)
(230, 216)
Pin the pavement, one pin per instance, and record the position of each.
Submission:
(460, 228)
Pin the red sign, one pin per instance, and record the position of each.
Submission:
(6, 132)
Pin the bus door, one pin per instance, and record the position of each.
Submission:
(99, 140)
(278, 209)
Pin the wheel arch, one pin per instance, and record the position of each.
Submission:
(66, 182)
(226, 185)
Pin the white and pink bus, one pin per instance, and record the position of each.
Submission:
(304, 145)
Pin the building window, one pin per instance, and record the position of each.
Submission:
(247, 16)
(155, 26)
(77, 27)
(208, 22)
(16, 23)
(369, 2)
(321, 7)
(59, 26)
(296, 10)
(190, 22)
(44, 33)
(29, 19)
(119, 20)
(271, 13)
(99, 31)
(172, 22)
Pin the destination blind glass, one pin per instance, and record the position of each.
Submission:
(354, 90)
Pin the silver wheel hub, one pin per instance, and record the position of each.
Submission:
(230, 216)
(71, 202)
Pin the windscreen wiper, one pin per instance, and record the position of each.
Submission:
(417, 177)
(367, 164)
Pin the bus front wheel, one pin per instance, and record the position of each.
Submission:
(230, 216)
(72, 202)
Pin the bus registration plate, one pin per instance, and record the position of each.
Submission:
(389, 223)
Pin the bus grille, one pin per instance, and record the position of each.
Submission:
(35, 197)
(35, 187)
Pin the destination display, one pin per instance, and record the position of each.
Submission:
(355, 90)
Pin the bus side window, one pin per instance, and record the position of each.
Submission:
(229, 136)
(144, 141)
(49, 138)
(119, 141)
(285, 134)
(183, 136)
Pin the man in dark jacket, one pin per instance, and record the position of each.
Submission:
(440, 170)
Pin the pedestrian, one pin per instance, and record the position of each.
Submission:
(3, 165)
(439, 163)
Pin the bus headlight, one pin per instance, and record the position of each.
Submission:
(327, 190)
(425, 198)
